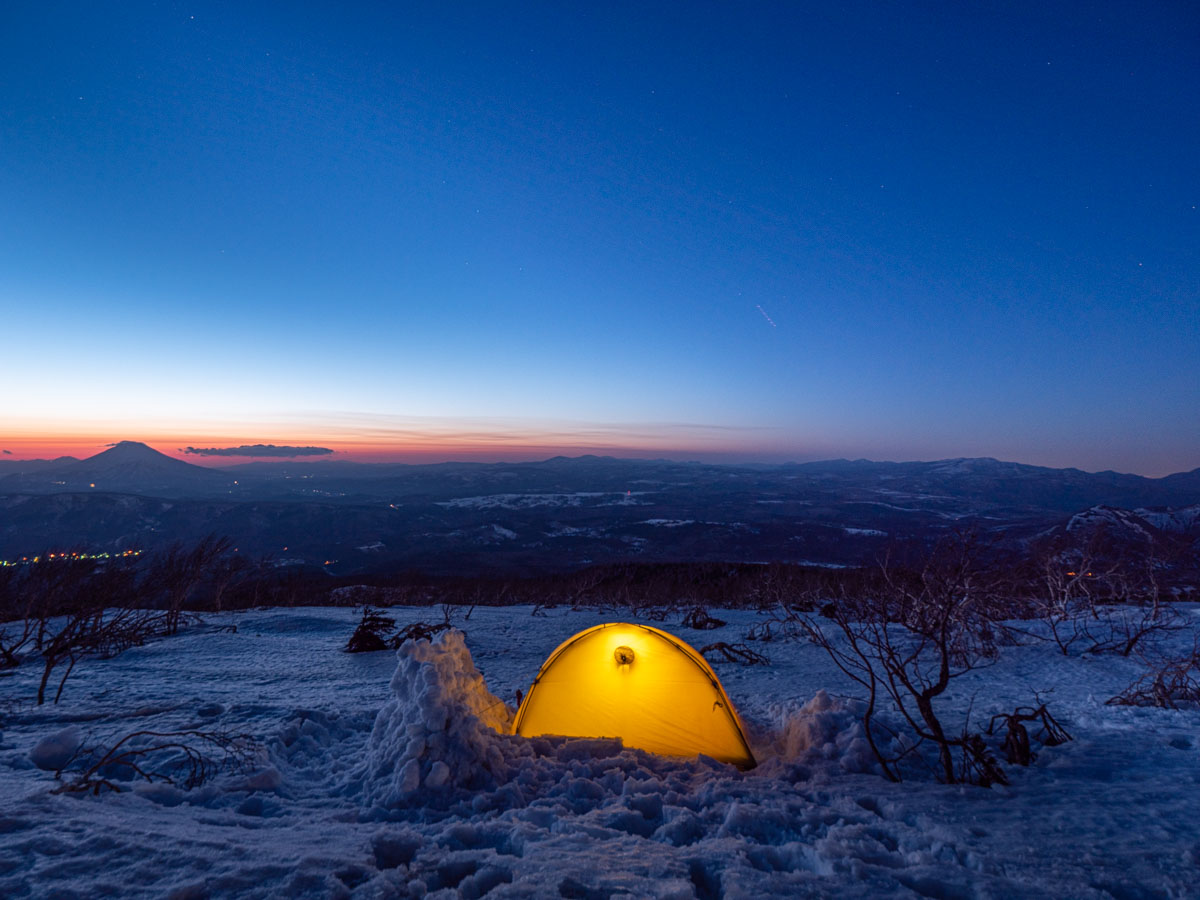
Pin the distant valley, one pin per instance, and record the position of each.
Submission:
(566, 513)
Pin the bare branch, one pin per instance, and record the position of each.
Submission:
(184, 758)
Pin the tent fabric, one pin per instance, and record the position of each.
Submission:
(637, 683)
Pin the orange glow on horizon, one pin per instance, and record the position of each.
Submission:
(436, 442)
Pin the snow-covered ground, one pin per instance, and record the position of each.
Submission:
(381, 777)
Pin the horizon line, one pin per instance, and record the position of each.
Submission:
(535, 455)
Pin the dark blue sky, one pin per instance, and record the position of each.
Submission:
(707, 230)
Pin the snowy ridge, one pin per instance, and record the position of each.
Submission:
(1180, 520)
(1138, 526)
(1109, 517)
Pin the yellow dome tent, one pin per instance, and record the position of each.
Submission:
(639, 684)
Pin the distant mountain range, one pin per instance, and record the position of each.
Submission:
(561, 512)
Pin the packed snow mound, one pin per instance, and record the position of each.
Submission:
(55, 751)
(826, 728)
(442, 726)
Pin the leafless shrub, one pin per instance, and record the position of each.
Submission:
(1017, 745)
(977, 763)
(176, 574)
(223, 572)
(370, 634)
(585, 589)
(735, 653)
(68, 607)
(80, 608)
(1091, 601)
(15, 637)
(97, 632)
(906, 637)
(782, 586)
(764, 631)
(655, 612)
(418, 631)
(17, 628)
(1169, 683)
(1127, 628)
(781, 623)
(373, 630)
(184, 758)
(393, 593)
(463, 607)
(699, 619)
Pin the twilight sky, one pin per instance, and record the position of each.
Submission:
(704, 230)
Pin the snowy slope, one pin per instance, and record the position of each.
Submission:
(380, 778)
(1183, 519)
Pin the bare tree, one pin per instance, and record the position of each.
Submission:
(177, 573)
(1092, 602)
(779, 585)
(224, 571)
(907, 638)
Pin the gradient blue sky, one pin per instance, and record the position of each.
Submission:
(504, 230)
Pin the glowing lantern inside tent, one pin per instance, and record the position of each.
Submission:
(639, 684)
